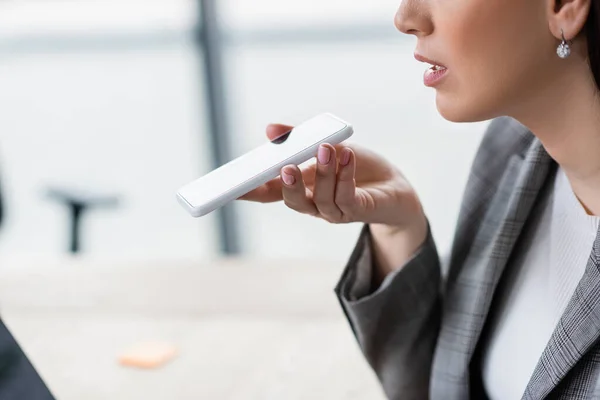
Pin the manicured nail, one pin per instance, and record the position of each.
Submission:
(345, 157)
(288, 179)
(323, 155)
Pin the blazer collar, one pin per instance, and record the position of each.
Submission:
(575, 333)
(471, 289)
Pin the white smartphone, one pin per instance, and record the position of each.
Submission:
(257, 167)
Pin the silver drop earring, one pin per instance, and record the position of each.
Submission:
(564, 49)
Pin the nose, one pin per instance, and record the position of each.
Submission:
(414, 18)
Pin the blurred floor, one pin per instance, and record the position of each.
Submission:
(246, 330)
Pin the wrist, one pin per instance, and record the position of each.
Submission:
(395, 245)
(412, 235)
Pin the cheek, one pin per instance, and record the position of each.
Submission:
(491, 47)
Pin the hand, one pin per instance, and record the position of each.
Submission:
(347, 184)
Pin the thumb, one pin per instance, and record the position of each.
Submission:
(276, 130)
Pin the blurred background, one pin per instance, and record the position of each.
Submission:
(108, 107)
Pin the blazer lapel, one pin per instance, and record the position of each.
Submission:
(576, 332)
(471, 289)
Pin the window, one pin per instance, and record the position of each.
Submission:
(107, 97)
(289, 60)
(110, 96)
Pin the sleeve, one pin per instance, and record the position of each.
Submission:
(397, 324)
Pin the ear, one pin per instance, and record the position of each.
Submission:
(568, 16)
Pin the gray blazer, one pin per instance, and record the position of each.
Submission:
(18, 378)
(421, 330)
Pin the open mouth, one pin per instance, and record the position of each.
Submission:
(434, 74)
(437, 68)
(434, 63)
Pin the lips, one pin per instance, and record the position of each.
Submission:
(435, 64)
(433, 74)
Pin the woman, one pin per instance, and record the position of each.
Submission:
(517, 312)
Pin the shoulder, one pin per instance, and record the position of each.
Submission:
(504, 138)
(504, 142)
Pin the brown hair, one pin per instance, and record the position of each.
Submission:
(592, 33)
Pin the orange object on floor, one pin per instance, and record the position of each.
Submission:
(151, 354)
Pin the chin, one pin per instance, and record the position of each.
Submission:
(457, 109)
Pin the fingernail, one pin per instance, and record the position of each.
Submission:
(288, 179)
(323, 155)
(345, 157)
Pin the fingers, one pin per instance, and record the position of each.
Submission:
(325, 183)
(345, 190)
(267, 193)
(334, 196)
(272, 191)
(276, 130)
(294, 191)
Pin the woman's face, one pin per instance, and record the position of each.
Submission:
(499, 54)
